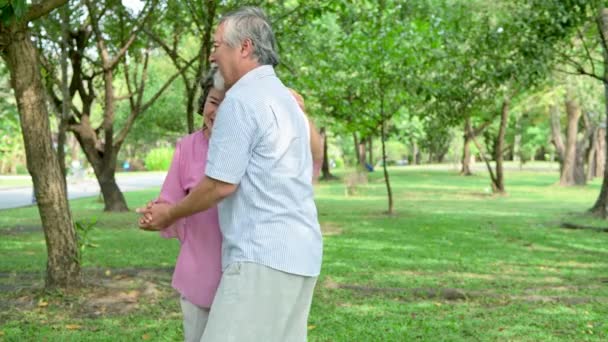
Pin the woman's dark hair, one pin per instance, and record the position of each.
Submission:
(206, 85)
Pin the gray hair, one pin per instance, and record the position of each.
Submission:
(213, 79)
(251, 23)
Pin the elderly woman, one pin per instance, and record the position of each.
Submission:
(198, 267)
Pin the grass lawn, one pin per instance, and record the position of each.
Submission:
(14, 182)
(454, 264)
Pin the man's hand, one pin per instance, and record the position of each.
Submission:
(155, 216)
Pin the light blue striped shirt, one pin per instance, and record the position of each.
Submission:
(261, 141)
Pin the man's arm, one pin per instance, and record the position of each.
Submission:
(207, 194)
(204, 196)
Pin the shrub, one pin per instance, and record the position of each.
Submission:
(21, 169)
(159, 159)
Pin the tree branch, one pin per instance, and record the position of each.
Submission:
(193, 11)
(136, 111)
(483, 156)
(123, 97)
(172, 53)
(41, 9)
(580, 35)
(582, 72)
(142, 82)
(110, 63)
(166, 85)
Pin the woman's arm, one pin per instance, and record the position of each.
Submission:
(316, 140)
(172, 192)
(316, 147)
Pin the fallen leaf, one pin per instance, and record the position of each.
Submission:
(310, 327)
(145, 337)
(72, 326)
(108, 272)
(42, 303)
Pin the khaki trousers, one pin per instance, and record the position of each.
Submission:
(260, 304)
(195, 320)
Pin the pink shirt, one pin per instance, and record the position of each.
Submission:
(198, 268)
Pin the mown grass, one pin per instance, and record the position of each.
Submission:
(454, 264)
(14, 182)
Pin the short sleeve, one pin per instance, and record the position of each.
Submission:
(172, 192)
(232, 141)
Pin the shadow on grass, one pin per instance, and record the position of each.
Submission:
(106, 292)
(533, 294)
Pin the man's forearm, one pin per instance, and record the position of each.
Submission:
(204, 196)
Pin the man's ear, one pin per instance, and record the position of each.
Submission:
(246, 48)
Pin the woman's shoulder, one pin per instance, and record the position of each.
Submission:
(194, 139)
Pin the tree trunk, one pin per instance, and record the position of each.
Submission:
(113, 198)
(65, 91)
(356, 142)
(466, 149)
(104, 168)
(362, 153)
(61, 143)
(370, 152)
(325, 173)
(600, 151)
(499, 184)
(567, 177)
(485, 160)
(441, 156)
(190, 109)
(517, 142)
(580, 178)
(203, 61)
(556, 137)
(415, 159)
(74, 147)
(599, 208)
(587, 148)
(387, 180)
(592, 155)
(63, 268)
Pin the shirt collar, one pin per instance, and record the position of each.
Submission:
(254, 74)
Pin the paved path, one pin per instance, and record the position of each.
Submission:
(11, 197)
(18, 196)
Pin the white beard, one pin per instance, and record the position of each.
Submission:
(218, 79)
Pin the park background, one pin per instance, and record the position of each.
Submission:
(463, 195)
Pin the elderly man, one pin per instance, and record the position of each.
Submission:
(259, 172)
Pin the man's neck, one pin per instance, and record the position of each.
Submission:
(244, 69)
(247, 67)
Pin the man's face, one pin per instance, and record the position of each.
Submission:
(225, 57)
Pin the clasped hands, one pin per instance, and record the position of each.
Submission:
(155, 216)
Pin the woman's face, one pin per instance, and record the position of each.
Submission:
(213, 101)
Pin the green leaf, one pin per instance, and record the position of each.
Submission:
(19, 6)
(7, 14)
(3, 3)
